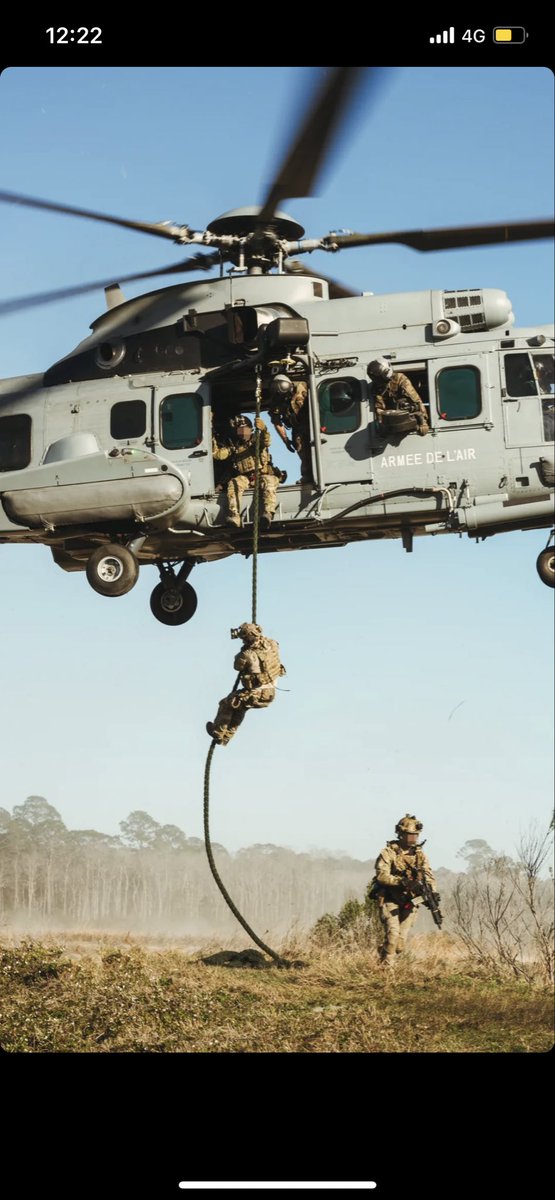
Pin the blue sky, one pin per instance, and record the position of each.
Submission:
(103, 709)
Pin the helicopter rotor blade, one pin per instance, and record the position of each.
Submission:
(199, 262)
(337, 291)
(448, 239)
(325, 115)
(163, 229)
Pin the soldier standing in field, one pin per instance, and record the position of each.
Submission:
(240, 456)
(401, 869)
(394, 391)
(259, 666)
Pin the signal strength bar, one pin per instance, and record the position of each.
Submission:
(448, 35)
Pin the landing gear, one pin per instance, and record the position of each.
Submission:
(112, 570)
(545, 564)
(174, 601)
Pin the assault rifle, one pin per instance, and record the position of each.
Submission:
(420, 887)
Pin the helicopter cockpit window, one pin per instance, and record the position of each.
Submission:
(181, 421)
(545, 375)
(458, 394)
(128, 419)
(519, 375)
(532, 375)
(339, 401)
(15, 442)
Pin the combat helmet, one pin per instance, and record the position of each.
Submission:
(408, 824)
(379, 368)
(236, 422)
(281, 387)
(248, 631)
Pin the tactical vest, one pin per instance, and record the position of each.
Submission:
(269, 665)
(404, 858)
(400, 394)
(243, 459)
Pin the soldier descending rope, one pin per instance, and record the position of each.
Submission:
(259, 666)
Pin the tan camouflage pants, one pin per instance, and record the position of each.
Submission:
(301, 442)
(239, 484)
(232, 709)
(396, 922)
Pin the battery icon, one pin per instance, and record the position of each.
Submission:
(509, 33)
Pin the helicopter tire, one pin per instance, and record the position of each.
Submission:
(173, 606)
(112, 570)
(545, 564)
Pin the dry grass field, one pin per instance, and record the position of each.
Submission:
(94, 993)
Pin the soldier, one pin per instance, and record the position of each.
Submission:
(259, 666)
(292, 410)
(400, 870)
(241, 457)
(393, 390)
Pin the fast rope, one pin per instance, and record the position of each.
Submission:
(281, 962)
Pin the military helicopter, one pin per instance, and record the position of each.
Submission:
(107, 457)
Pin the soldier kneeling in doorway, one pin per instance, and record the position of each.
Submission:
(259, 666)
(394, 392)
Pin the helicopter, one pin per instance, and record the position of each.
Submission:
(107, 457)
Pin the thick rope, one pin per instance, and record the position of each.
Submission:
(281, 962)
(256, 498)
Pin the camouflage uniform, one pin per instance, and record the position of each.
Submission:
(259, 666)
(400, 394)
(294, 413)
(398, 908)
(242, 463)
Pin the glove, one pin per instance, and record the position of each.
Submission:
(436, 897)
(259, 423)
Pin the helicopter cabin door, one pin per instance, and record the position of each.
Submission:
(468, 442)
(181, 432)
(344, 430)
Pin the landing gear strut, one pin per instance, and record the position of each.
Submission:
(174, 601)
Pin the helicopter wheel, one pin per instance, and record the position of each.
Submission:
(545, 564)
(173, 606)
(112, 570)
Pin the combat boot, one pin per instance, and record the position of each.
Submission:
(234, 519)
(265, 522)
(214, 733)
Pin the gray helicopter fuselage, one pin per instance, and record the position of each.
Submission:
(116, 438)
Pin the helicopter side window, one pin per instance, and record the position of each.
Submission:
(128, 419)
(339, 401)
(181, 421)
(458, 393)
(519, 375)
(15, 442)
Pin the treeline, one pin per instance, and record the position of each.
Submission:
(153, 877)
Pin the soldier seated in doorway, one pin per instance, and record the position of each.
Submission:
(394, 391)
(259, 666)
(240, 458)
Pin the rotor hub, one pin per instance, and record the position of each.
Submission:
(240, 222)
